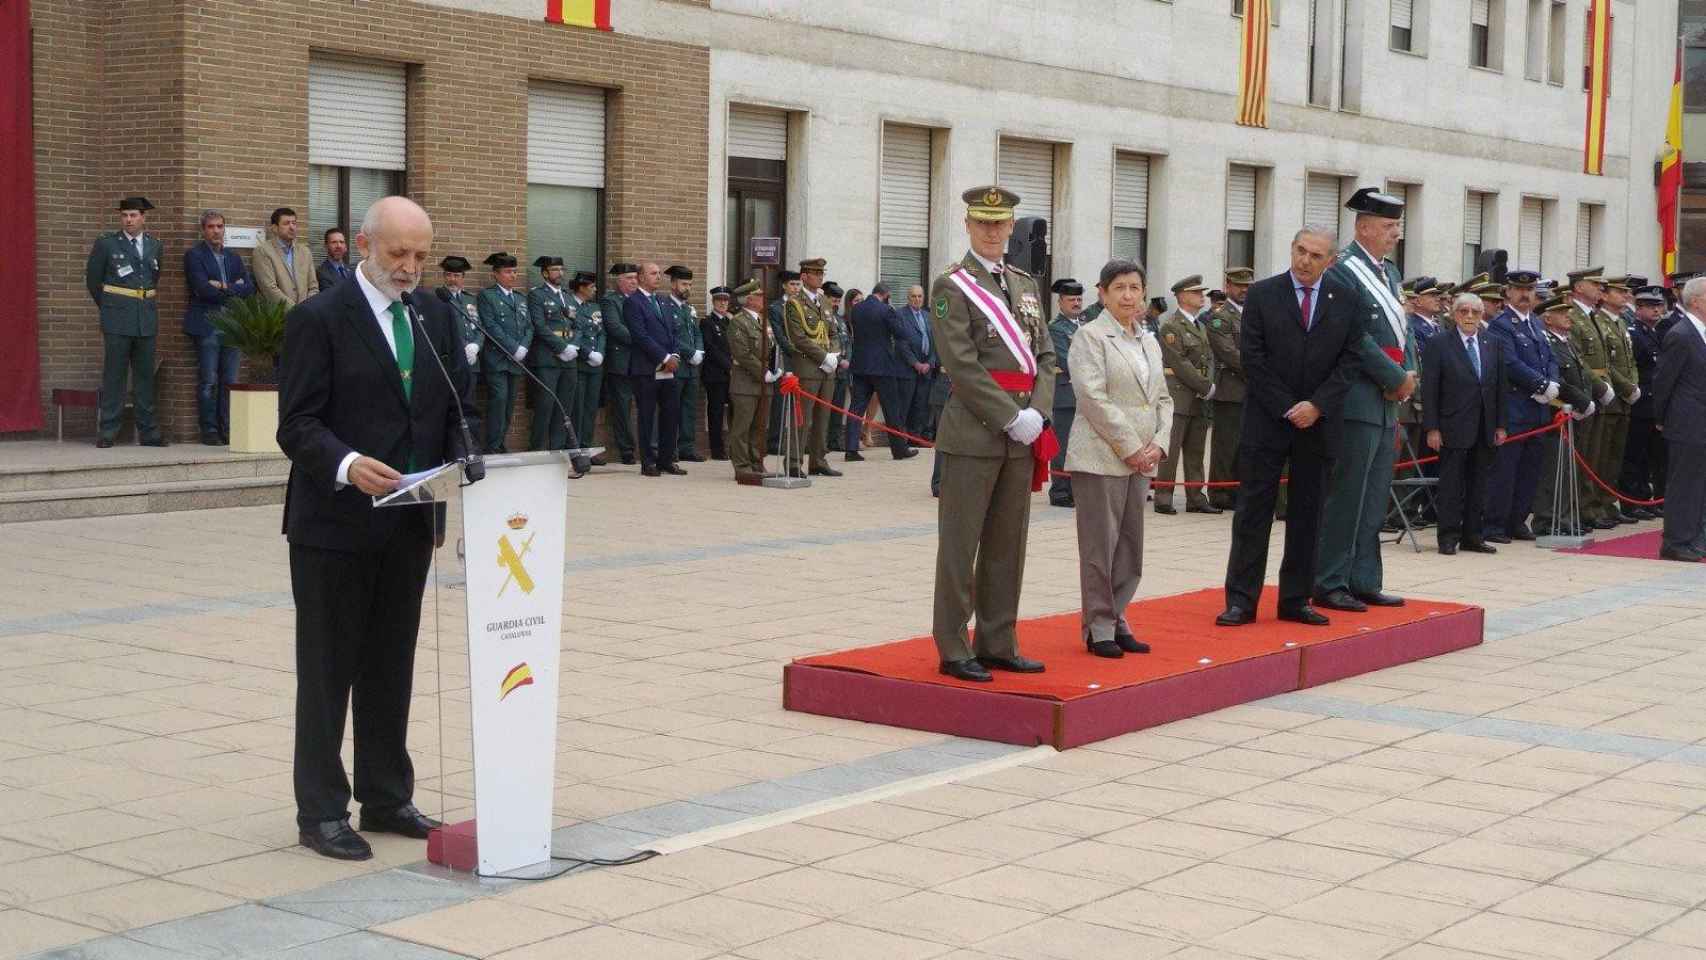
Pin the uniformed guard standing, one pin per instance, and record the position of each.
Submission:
(552, 355)
(993, 437)
(503, 315)
(1069, 298)
(1587, 339)
(1531, 377)
(755, 363)
(813, 337)
(589, 359)
(714, 372)
(1225, 332)
(462, 304)
(1644, 459)
(790, 281)
(1575, 397)
(617, 386)
(123, 275)
(1625, 383)
(1190, 381)
(838, 318)
(1421, 305)
(691, 340)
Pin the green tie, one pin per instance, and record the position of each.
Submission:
(405, 347)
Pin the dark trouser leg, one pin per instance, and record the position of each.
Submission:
(207, 382)
(500, 404)
(587, 384)
(115, 369)
(1223, 452)
(539, 434)
(687, 423)
(837, 419)
(379, 702)
(621, 388)
(142, 386)
(229, 361)
(646, 413)
(814, 436)
(936, 474)
(1636, 476)
(716, 402)
(1475, 491)
(1514, 515)
(983, 521)
(918, 414)
(1259, 472)
(669, 420)
(896, 396)
(1454, 465)
(1060, 485)
(1546, 486)
(1590, 439)
(1501, 485)
(1687, 491)
(1610, 463)
(773, 429)
(1357, 492)
(860, 392)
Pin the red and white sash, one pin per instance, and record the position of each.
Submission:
(1000, 318)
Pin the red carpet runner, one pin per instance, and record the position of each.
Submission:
(1638, 546)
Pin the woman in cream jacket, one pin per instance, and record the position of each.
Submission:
(1124, 415)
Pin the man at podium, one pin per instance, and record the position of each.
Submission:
(371, 388)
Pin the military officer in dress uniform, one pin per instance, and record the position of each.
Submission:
(1190, 381)
(1613, 319)
(589, 359)
(1069, 299)
(790, 281)
(1644, 458)
(993, 438)
(1531, 384)
(123, 274)
(1576, 389)
(1225, 332)
(1587, 339)
(1422, 306)
(455, 270)
(714, 372)
(844, 345)
(691, 341)
(551, 353)
(818, 355)
(1359, 486)
(503, 315)
(755, 362)
(617, 386)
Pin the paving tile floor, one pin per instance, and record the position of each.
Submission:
(1541, 796)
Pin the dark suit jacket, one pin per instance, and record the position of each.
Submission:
(200, 267)
(341, 392)
(1646, 344)
(652, 332)
(327, 274)
(1463, 409)
(719, 359)
(1284, 365)
(881, 347)
(1679, 385)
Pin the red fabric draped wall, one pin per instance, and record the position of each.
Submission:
(20, 365)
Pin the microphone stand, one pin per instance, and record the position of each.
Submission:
(473, 464)
(580, 462)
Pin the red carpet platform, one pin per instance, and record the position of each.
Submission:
(1638, 546)
(1195, 667)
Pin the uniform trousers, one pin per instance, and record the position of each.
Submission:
(501, 387)
(620, 388)
(1590, 436)
(132, 357)
(982, 522)
(658, 406)
(687, 427)
(716, 407)
(357, 615)
(1110, 548)
(1060, 485)
(1223, 452)
(837, 420)
(588, 381)
(1358, 484)
(1187, 443)
(1609, 464)
(746, 433)
(816, 440)
(549, 408)
(1643, 475)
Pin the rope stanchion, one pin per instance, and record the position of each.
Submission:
(1608, 488)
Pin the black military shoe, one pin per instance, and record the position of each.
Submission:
(674, 471)
(1104, 648)
(907, 454)
(628, 459)
(1014, 664)
(854, 456)
(965, 670)
(825, 471)
(1479, 547)
(1521, 533)
(1066, 502)
(334, 838)
(1681, 554)
(104, 442)
(1129, 643)
(1235, 617)
(1380, 599)
(1165, 508)
(1340, 600)
(405, 821)
(1204, 508)
(690, 457)
(210, 438)
(1497, 538)
(154, 441)
(1306, 615)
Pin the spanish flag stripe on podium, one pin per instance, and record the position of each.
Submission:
(594, 14)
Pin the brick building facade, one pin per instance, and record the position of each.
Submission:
(204, 104)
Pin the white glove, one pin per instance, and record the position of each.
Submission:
(1210, 394)
(1591, 410)
(569, 353)
(471, 351)
(1551, 390)
(1636, 397)
(698, 358)
(1026, 426)
(771, 376)
(594, 358)
(830, 360)
(520, 354)
(1605, 394)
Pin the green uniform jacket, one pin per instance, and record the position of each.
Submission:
(1377, 374)
(505, 317)
(1574, 383)
(1189, 365)
(467, 315)
(1225, 330)
(1588, 341)
(553, 322)
(1060, 331)
(615, 333)
(113, 263)
(1624, 375)
(589, 334)
(688, 338)
(975, 420)
(749, 341)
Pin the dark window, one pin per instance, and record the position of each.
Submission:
(1478, 36)
(1401, 38)
(1241, 246)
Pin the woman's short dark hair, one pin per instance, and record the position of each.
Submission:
(1119, 267)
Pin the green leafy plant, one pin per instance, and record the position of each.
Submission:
(255, 326)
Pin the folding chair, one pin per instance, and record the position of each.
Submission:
(1416, 489)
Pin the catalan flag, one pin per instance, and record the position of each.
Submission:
(1670, 177)
(520, 675)
(1598, 84)
(579, 13)
(1253, 64)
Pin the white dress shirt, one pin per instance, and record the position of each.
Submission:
(380, 305)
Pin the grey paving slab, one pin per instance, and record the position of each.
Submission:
(109, 948)
(362, 902)
(675, 817)
(597, 841)
(766, 796)
(363, 945)
(247, 931)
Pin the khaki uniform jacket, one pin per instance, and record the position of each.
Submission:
(1625, 376)
(975, 419)
(1588, 341)
(811, 332)
(752, 353)
(1225, 330)
(1190, 364)
(274, 282)
(1121, 409)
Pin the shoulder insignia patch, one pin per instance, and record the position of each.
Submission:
(1215, 323)
(1172, 338)
(941, 308)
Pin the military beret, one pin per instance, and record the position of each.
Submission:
(1067, 286)
(455, 264)
(500, 260)
(992, 204)
(623, 269)
(1522, 278)
(788, 275)
(1372, 201)
(1591, 274)
(548, 261)
(135, 203)
(1243, 276)
(1192, 282)
(814, 265)
(719, 292)
(583, 278)
(678, 272)
(748, 288)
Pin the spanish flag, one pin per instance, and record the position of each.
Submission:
(1670, 177)
(1598, 84)
(519, 675)
(579, 13)
(1253, 65)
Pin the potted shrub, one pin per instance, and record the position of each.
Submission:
(256, 328)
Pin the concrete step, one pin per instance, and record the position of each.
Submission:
(111, 500)
(25, 472)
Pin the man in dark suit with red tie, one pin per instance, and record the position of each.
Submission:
(1463, 414)
(1298, 347)
(371, 388)
(653, 359)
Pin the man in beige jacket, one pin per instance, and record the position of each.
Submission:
(283, 264)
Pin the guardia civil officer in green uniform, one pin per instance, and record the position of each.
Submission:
(1190, 381)
(1625, 384)
(122, 275)
(995, 345)
(1225, 332)
(617, 387)
(755, 363)
(807, 316)
(1349, 575)
(589, 375)
(690, 339)
(1069, 299)
(844, 346)
(461, 302)
(1575, 397)
(551, 353)
(503, 315)
(1588, 339)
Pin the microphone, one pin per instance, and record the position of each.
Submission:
(580, 462)
(473, 465)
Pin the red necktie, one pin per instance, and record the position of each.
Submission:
(1307, 291)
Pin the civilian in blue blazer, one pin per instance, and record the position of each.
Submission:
(652, 354)
(214, 275)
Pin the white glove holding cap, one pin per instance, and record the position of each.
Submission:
(1636, 398)
(829, 362)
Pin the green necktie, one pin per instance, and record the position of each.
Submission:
(405, 348)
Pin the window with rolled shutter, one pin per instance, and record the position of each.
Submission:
(1531, 226)
(357, 113)
(1321, 201)
(565, 135)
(1131, 207)
(1478, 12)
(1472, 206)
(1026, 167)
(1403, 14)
(1240, 197)
(757, 133)
(904, 212)
(1584, 237)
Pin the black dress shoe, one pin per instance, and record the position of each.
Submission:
(1380, 599)
(1235, 617)
(1066, 502)
(1014, 664)
(1204, 508)
(334, 838)
(210, 438)
(599, 461)
(628, 459)
(649, 471)
(796, 473)
(1680, 554)
(1129, 643)
(1604, 523)
(104, 442)
(1496, 538)
(1479, 547)
(1624, 518)
(965, 670)
(1105, 648)
(1448, 549)
(690, 457)
(155, 441)
(404, 821)
(854, 456)
(906, 454)
(1521, 533)
(1305, 615)
(1340, 600)
(825, 471)
(674, 471)
(1166, 508)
